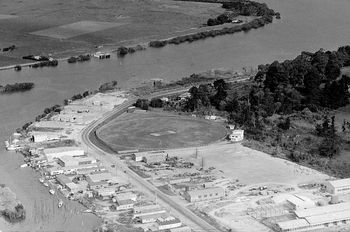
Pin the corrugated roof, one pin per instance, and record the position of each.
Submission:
(291, 224)
(329, 217)
(323, 210)
(300, 200)
(340, 183)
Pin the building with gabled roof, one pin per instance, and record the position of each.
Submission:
(336, 187)
(204, 194)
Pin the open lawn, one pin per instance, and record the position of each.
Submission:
(159, 130)
(40, 26)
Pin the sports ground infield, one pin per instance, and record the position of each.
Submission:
(159, 130)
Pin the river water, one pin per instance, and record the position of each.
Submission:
(305, 25)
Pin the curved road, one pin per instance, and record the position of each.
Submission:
(108, 157)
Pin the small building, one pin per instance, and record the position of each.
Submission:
(100, 180)
(146, 210)
(68, 161)
(106, 192)
(204, 194)
(69, 184)
(152, 158)
(126, 196)
(39, 137)
(336, 187)
(125, 204)
(55, 153)
(181, 229)
(168, 222)
(300, 202)
(131, 109)
(137, 156)
(150, 217)
(236, 135)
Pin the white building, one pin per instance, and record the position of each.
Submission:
(236, 135)
(125, 205)
(300, 202)
(100, 180)
(126, 196)
(54, 153)
(68, 161)
(140, 211)
(318, 218)
(204, 194)
(138, 156)
(155, 157)
(336, 187)
(39, 137)
(168, 222)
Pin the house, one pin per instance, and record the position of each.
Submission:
(152, 158)
(300, 202)
(54, 153)
(336, 187)
(168, 222)
(236, 135)
(125, 204)
(204, 194)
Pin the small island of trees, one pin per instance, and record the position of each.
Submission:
(17, 87)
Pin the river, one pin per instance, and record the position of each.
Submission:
(305, 25)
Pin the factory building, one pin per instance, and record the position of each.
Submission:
(204, 194)
(152, 158)
(338, 186)
(317, 218)
(55, 153)
(68, 161)
(39, 137)
(70, 185)
(181, 229)
(126, 196)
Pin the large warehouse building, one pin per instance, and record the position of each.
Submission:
(204, 194)
(338, 186)
(57, 152)
(318, 218)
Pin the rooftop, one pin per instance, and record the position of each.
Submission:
(168, 222)
(340, 183)
(322, 210)
(126, 202)
(297, 223)
(61, 149)
(104, 176)
(329, 217)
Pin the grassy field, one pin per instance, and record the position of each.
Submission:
(135, 20)
(159, 130)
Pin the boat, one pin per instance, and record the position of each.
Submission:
(41, 179)
(24, 165)
(46, 184)
(60, 204)
(12, 147)
(51, 191)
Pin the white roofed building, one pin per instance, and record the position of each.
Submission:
(54, 153)
(336, 187)
(300, 202)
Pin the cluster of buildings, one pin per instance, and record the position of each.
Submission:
(308, 216)
(158, 219)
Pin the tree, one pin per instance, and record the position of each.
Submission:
(312, 81)
(156, 103)
(142, 103)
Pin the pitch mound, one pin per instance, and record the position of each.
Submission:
(151, 131)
